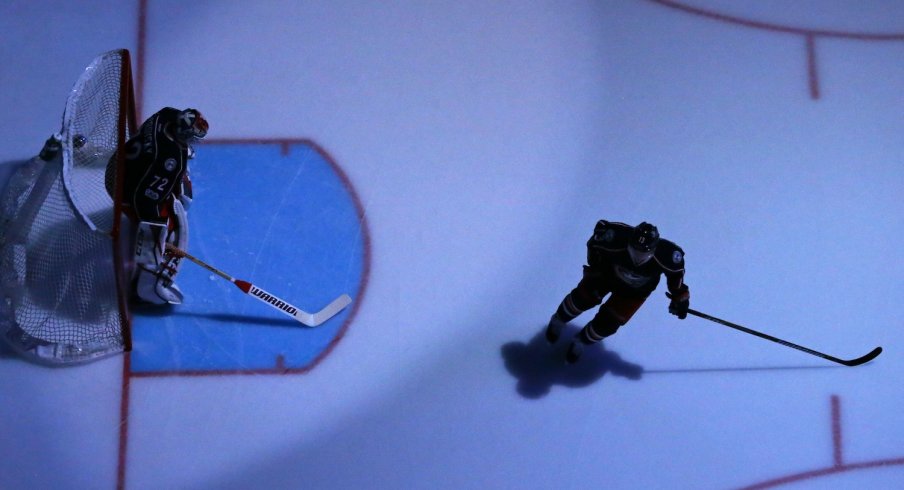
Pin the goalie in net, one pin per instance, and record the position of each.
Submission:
(68, 262)
(156, 195)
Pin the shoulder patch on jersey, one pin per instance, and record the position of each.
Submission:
(610, 236)
(669, 256)
(170, 164)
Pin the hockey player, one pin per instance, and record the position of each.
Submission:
(625, 262)
(156, 195)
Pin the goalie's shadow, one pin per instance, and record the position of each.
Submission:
(538, 366)
(163, 311)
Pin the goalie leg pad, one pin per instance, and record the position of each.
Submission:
(155, 271)
(176, 235)
(153, 288)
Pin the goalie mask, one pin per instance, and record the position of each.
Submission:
(191, 126)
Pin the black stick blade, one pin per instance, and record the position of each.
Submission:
(865, 359)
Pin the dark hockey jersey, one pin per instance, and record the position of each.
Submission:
(608, 257)
(155, 169)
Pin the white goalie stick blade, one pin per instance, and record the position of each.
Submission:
(303, 317)
(329, 311)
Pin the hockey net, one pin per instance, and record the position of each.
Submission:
(62, 276)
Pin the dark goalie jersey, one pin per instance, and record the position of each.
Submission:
(608, 258)
(155, 168)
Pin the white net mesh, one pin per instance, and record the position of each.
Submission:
(61, 279)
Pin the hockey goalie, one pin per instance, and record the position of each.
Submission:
(156, 196)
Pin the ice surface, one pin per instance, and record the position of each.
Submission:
(484, 140)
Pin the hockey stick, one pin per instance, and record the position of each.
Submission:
(852, 362)
(308, 319)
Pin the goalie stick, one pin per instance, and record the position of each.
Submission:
(308, 319)
(847, 362)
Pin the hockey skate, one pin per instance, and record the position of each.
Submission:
(554, 329)
(156, 288)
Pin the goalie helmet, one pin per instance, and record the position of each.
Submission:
(191, 126)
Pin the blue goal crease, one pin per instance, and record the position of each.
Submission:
(286, 221)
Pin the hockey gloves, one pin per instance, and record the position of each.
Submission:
(681, 301)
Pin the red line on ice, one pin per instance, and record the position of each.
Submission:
(837, 454)
(838, 465)
(123, 422)
(809, 34)
(767, 26)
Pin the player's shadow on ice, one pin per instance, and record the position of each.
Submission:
(539, 366)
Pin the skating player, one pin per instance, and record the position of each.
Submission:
(156, 195)
(625, 262)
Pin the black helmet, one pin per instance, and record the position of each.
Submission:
(645, 237)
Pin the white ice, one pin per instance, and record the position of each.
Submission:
(485, 139)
